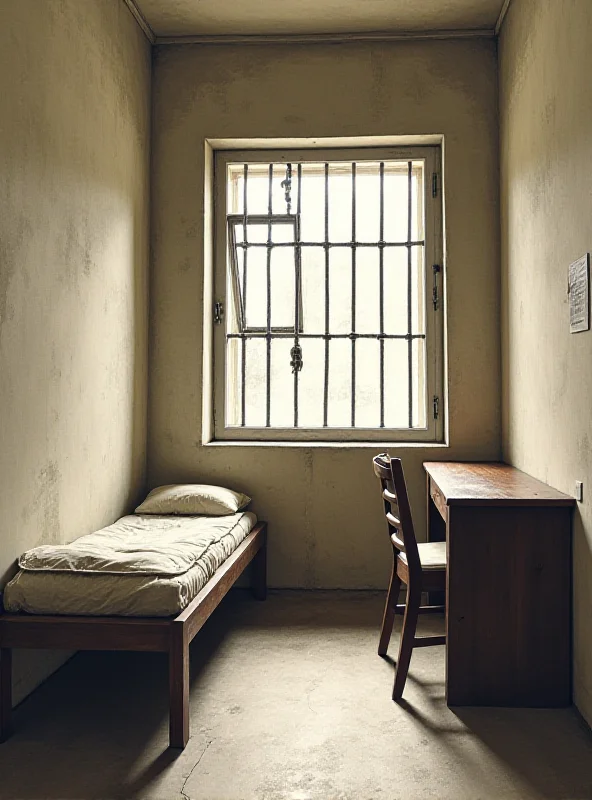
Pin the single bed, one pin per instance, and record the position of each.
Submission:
(147, 582)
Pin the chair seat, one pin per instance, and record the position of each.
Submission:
(431, 554)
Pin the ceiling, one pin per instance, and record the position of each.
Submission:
(175, 18)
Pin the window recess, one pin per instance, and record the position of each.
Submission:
(328, 291)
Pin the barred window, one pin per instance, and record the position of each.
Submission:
(328, 295)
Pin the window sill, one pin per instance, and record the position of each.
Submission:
(330, 445)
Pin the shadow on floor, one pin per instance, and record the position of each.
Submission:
(288, 700)
(532, 743)
(81, 733)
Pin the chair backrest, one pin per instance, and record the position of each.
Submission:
(396, 507)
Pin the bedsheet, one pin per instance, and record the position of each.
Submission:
(143, 565)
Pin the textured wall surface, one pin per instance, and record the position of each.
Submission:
(74, 165)
(322, 503)
(546, 149)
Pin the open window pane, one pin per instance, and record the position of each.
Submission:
(263, 274)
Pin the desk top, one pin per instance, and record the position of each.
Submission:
(491, 484)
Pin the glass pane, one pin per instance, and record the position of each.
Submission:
(418, 297)
(234, 189)
(311, 383)
(313, 289)
(395, 201)
(283, 287)
(396, 387)
(282, 384)
(367, 202)
(395, 290)
(256, 383)
(340, 290)
(367, 383)
(312, 218)
(257, 189)
(278, 200)
(367, 290)
(340, 203)
(282, 232)
(418, 355)
(417, 204)
(233, 381)
(339, 405)
(256, 297)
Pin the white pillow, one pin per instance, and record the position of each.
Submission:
(193, 498)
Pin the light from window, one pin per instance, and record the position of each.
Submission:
(326, 295)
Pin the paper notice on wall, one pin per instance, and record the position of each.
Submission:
(579, 294)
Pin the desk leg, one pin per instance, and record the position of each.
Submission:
(508, 596)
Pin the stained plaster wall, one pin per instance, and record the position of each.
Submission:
(322, 503)
(546, 210)
(74, 164)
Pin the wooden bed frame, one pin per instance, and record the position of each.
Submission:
(170, 635)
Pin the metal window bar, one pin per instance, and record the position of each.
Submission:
(254, 334)
(326, 243)
(268, 272)
(297, 295)
(297, 333)
(381, 289)
(353, 299)
(354, 245)
(243, 296)
(409, 293)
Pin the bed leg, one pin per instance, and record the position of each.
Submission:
(259, 573)
(178, 686)
(5, 693)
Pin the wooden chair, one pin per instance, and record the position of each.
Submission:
(422, 567)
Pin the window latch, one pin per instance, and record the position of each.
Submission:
(218, 313)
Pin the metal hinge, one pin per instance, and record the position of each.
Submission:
(434, 184)
(218, 313)
(436, 268)
(436, 407)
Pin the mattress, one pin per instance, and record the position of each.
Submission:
(141, 566)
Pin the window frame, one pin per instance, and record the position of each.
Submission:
(434, 317)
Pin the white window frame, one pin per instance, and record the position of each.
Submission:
(433, 279)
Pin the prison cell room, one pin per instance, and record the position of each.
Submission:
(295, 346)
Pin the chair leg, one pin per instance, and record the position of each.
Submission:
(5, 693)
(388, 619)
(178, 687)
(407, 638)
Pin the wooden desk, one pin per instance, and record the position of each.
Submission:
(508, 584)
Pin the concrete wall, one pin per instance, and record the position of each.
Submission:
(74, 164)
(322, 503)
(546, 150)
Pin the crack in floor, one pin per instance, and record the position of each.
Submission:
(192, 770)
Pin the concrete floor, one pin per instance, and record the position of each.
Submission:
(289, 701)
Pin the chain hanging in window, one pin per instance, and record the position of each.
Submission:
(296, 361)
(286, 185)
